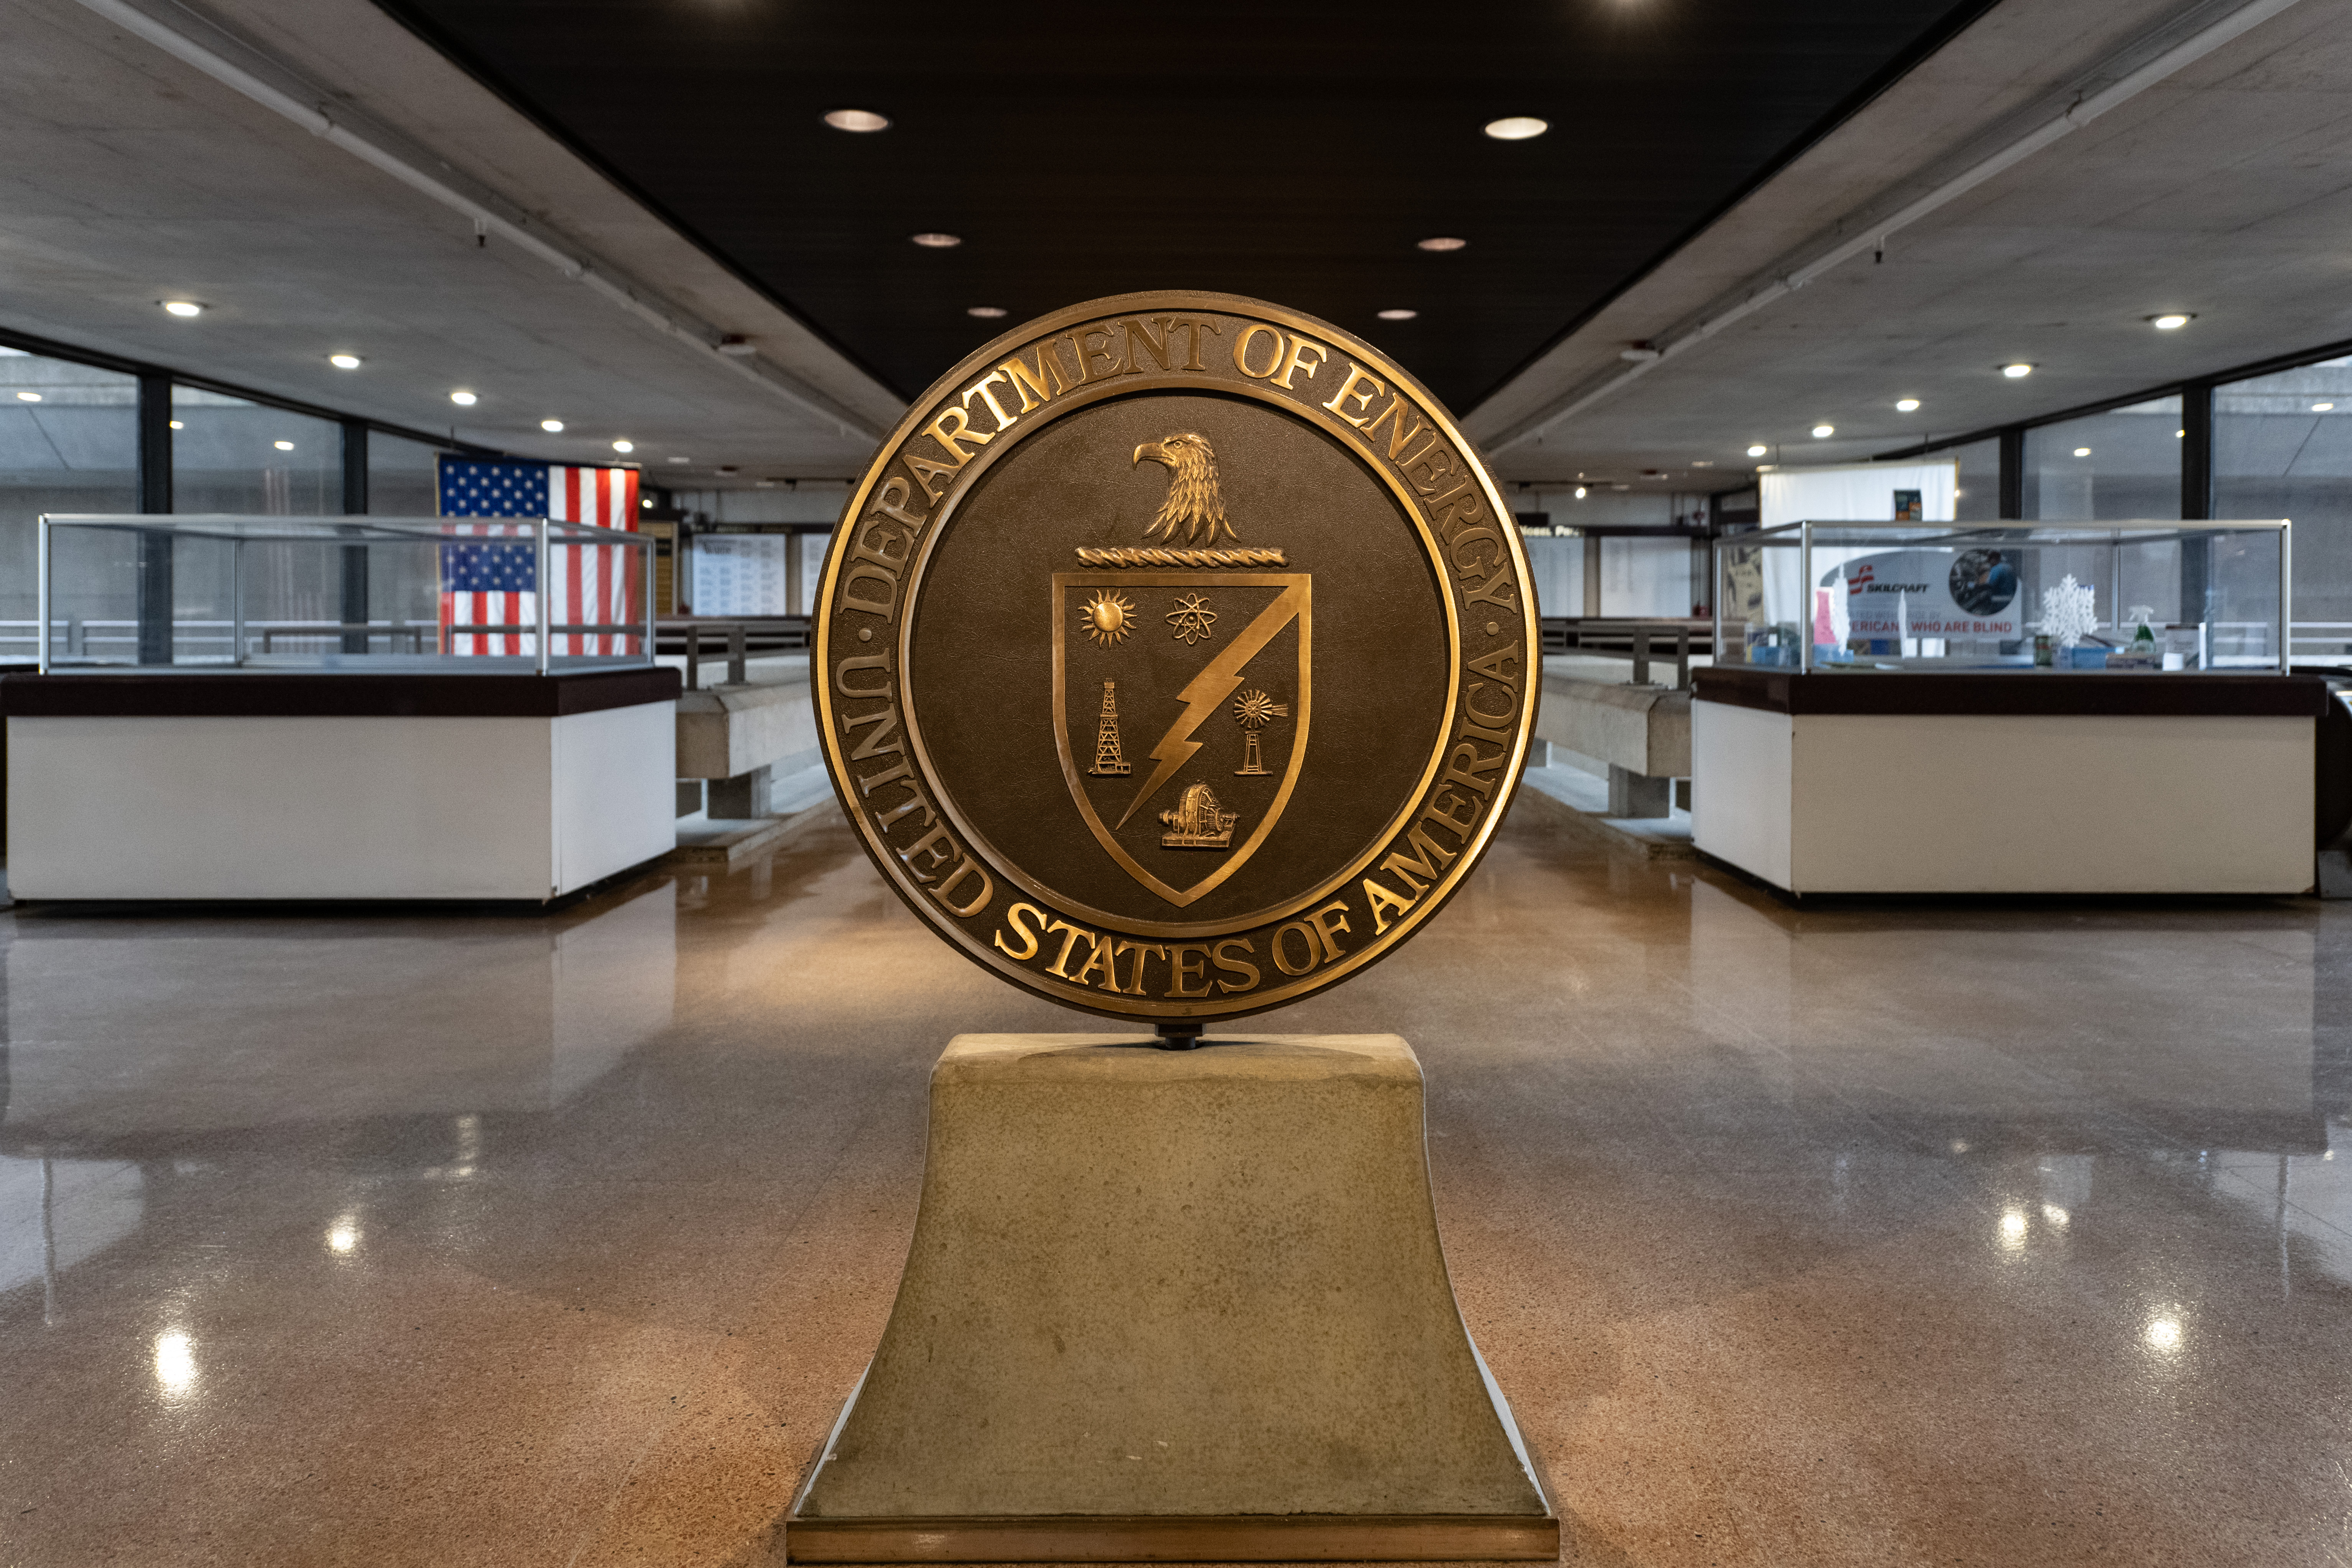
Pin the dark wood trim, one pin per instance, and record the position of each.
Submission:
(333, 695)
(1227, 1538)
(2047, 692)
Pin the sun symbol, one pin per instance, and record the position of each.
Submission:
(1107, 618)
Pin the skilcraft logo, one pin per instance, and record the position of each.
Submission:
(1864, 579)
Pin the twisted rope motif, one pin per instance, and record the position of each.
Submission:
(1181, 558)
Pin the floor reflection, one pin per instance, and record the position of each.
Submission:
(1848, 1235)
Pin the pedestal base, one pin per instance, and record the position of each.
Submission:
(1239, 1538)
(1174, 1306)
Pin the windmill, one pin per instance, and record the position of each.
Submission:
(1255, 710)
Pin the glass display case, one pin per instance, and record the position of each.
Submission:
(2131, 596)
(353, 594)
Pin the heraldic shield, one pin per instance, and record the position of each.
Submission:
(1180, 707)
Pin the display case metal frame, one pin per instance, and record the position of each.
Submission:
(1934, 535)
(237, 531)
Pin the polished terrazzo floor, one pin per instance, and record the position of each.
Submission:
(1875, 1235)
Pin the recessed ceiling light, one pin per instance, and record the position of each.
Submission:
(1579, 492)
(625, 446)
(681, 459)
(986, 312)
(344, 361)
(177, 425)
(859, 120)
(1398, 314)
(1906, 405)
(183, 307)
(1702, 462)
(2082, 451)
(2171, 323)
(1442, 242)
(28, 398)
(463, 399)
(937, 241)
(1757, 451)
(551, 425)
(1516, 127)
(2315, 408)
(2016, 371)
(283, 446)
(1822, 432)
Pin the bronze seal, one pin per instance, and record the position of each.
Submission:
(1175, 656)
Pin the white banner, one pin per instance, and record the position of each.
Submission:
(1926, 593)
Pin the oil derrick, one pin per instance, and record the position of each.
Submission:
(1108, 760)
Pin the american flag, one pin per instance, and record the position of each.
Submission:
(495, 585)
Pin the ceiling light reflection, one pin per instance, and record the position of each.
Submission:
(1398, 314)
(933, 240)
(2163, 1332)
(183, 307)
(1758, 450)
(1516, 127)
(463, 399)
(625, 446)
(2015, 371)
(1906, 405)
(175, 1362)
(2322, 407)
(862, 120)
(551, 425)
(2082, 451)
(986, 312)
(1823, 432)
(2012, 1229)
(343, 1236)
(2171, 322)
(28, 398)
(1442, 242)
(283, 446)
(2056, 1216)
(344, 361)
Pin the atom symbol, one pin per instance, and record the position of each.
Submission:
(1107, 618)
(1191, 617)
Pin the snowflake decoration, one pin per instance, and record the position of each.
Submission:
(1191, 617)
(2069, 610)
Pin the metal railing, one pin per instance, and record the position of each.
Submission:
(76, 639)
(1638, 641)
(741, 641)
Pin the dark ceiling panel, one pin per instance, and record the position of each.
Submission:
(1293, 153)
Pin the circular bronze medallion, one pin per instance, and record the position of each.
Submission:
(1175, 656)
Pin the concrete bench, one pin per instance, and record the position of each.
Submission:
(736, 738)
(1641, 733)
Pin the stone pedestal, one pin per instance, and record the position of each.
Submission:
(1169, 1305)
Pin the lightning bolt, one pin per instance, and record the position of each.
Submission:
(1206, 692)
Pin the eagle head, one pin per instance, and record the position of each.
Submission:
(1192, 503)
